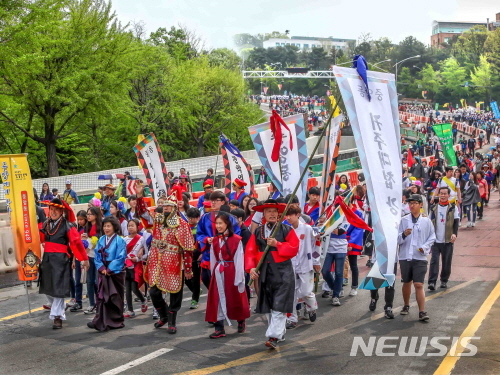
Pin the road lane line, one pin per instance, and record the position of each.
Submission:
(137, 362)
(267, 354)
(23, 313)
(449, 362)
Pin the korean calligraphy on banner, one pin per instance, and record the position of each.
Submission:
(18, 188)
(375, 125)
(235, 166)
(284, 173)
(152, 163)
(496, 111)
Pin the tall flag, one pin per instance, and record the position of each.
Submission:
(445, 105)
(152, 163)
(478, 105)
(330, 156)
(375, 124)
(463, 103)
(20, 201)
(282, 149)
(496, 111)
(333, 102)
(235, 166)
(445, 134)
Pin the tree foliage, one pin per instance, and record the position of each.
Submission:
(77, 87)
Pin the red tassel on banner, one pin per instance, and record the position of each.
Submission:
(276, 121)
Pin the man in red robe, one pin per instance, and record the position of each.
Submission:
(276, 277)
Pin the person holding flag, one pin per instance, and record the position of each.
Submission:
(276, 277)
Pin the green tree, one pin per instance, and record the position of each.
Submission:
(470, 45)
(225, 58)
(430, 81)
(246, 40)
(58, 59)
(453, 77)
(482, 76)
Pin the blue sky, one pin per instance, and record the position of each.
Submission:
(216, 21)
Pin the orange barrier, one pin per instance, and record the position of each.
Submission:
(311, 182)
(197, 194)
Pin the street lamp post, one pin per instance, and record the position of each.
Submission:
(396, 66)
(380, 62)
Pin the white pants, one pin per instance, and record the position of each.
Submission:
(304, 284)
(58, 308)
(276, 324)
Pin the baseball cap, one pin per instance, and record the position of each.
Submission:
(68, 182)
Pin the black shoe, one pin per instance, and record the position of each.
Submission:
(432, 286)
(242, 327)
(172, 329)
(272, 343)
(443, 285)
(369, 263)
(422, 315)
(388, 313)
(373, 305)
(325, 294)
(290, 325)
(76, 307)
(57, 323)
(160, 323)
(405, 310)
(312, 316)
(91, 325)
(218, 334)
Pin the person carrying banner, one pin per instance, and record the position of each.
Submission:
(62, 241)
(305, 264)
(445, 218)
(276, 277)
(415, 238)
(169, 261)
(239, 190)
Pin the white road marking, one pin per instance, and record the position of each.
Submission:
(137, 362)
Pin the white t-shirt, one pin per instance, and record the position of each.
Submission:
(441, 222)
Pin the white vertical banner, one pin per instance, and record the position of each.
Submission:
(285, 173)
(152, 163)
(375, 125)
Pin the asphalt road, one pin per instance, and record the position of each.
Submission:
(470, 306)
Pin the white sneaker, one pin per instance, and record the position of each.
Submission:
(354, 292)
(473, 223)
(335, 301)
(469, 224)
(341, 294)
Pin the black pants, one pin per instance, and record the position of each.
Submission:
(205, 277)
(194, 283)
(159, 303)
(353, 263)
(480, 208)
(389, 292)
(131, 286)
(445, 251)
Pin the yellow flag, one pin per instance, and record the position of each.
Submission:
(334, 103)
(445, 105)
(140, 137)
(18, 188)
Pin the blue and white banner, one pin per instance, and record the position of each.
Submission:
(235, 166)
(372, 106)
(494, 108)
(286, 171)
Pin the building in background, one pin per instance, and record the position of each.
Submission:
(444, 31)
(307, 43)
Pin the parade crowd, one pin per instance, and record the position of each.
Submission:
(127, 253)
